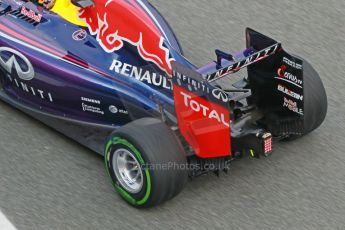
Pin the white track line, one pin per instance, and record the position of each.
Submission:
(5, 224)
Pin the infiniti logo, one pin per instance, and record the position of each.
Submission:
(26, 75)
(220, 95)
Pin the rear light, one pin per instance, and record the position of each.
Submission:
(267, 144)
(256, 145)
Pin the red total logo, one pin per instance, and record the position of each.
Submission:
(117, 21)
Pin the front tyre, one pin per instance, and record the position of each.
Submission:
(146, 163)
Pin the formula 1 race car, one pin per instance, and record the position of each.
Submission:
(112, 76)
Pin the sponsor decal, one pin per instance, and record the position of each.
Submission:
(116, 22)
(114, 109)
(31, 90)
(79, 35)
(17, 65)
(289, 77)
(292, 105)
(15, 60)
(90, 100)
(92, 109)
(204, 110)
(292, 63)
(220, 95)
(241, 64)
(200, 87)
(31, 14)
(281, 70)
(142, 75)
(289, 92)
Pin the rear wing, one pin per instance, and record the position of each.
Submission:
(275, 76)
(203, 111)
(235, 66)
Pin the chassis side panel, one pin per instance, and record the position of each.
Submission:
(88, 134)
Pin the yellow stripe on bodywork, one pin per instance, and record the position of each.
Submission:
(68, 11)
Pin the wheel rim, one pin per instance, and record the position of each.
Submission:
(127, 170)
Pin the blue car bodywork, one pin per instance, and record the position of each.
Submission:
(74, 86)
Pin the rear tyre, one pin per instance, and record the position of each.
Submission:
(146, 162)
(315, 101)
(2, 79)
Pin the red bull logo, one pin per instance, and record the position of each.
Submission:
(31, 14)
(117, 21)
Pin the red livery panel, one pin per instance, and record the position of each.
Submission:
(205, 125)
(202, 113)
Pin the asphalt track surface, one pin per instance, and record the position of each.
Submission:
(49, 182)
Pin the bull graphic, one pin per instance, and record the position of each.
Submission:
(114, 22)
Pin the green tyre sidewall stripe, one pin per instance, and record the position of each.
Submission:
(119, 189)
